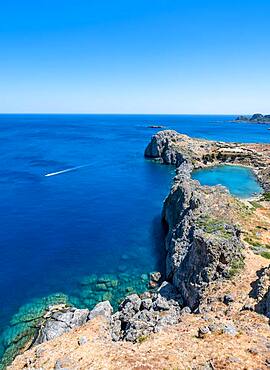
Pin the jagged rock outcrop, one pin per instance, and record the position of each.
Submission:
(202, 245)
(60, 322)
(161, 147)
(137, 317)
(261, 292)
(101, 309)
(170, 147)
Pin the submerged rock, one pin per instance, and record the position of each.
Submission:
(25, 323)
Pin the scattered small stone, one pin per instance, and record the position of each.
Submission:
(213, 328)
(39, 352)
(161, 303)
(208, 366)
(206, 317)
(82, 340)
(186, 310)
(227, 299)
(234, 359)
(253, 351)
(211, 300)
(60, 365)
(146, 295)
(155, 276)
(134, 300)
(229, 329)
(203, 331)
(146, 304)
(248, 307)
(152, 284)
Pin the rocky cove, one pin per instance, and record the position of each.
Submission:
(210, 246)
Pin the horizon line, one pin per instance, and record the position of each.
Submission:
(125, 114)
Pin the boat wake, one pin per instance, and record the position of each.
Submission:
(66, 170)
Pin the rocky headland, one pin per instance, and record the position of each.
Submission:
(210, 311)
(255, 118)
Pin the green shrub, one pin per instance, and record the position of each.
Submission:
(266, 254)
(266, 196)
(236, 266)
(142, 338)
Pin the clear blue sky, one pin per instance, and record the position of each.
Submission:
(135, 56)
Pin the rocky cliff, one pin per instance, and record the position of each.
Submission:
(202, 242)
(170, 147)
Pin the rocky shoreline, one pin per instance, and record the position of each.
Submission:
(204, 247)
(255, 118)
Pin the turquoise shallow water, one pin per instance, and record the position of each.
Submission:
(240, 181)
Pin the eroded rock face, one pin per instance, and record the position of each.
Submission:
(137, 317)
(170, 147)
(261, 292)
(61, 322)
(201, 244)
(101, 309)
(162, 147)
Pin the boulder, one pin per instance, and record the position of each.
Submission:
(101, 309)
(134, 302)
(61, 322)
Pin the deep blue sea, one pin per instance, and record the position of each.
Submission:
(101, 218)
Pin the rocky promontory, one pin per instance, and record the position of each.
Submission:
(256, 118)
(211, 310)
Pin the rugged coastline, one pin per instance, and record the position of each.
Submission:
(255, 118)
(205, 254)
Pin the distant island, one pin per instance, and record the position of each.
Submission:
(256, 118)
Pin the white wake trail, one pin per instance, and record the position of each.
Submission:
(66, 170)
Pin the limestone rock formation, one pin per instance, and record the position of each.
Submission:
(170, 147)
(137, 318)
(102, 309)
(261, 292)
(61, 322)
(202, 245)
